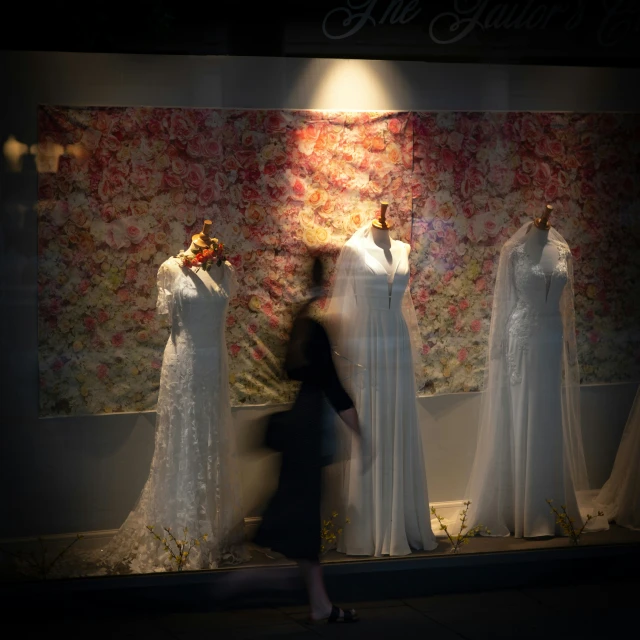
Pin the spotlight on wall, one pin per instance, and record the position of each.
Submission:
(348, 85)
(14, 151)
(47, 156)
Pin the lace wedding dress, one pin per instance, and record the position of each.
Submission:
(620, 496)
(387, 505)
(193, 481)
(529, 440)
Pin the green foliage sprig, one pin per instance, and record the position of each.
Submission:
(463, 535)
(330, 532)
(567, 523)
(178, 549)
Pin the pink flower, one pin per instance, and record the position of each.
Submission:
(102, 371)
(181, 126)
(252, 328)
(473, 181)
(135, 234)
(235, 349)
(556, 148)
(90, 323)
(468, 209)
(395, 126)
(248, 138)
(425, 349)
(212, 149)
(529, 165)
(275, 122)
(298, 188)
(57, 365)
(274, 323)
(179, 166)
(453, 311)
(172, 181)
(522, 178)
(117, 339)
(257, 353)
(423, 296)
(463, 304)
(195, 176)
(542, 148)
(231, 320)
(475, 325)
(480, 285)
(156, 363)
(207, 193)
(542, 174)
(551, 191)
(84, 286)
(463, 354)
(594, 337)
(103, 316)
(195, 147)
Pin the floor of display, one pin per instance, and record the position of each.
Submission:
(492, 548)
(479, 544)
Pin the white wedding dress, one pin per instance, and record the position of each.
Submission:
(193, 481)
(620, 496)
(529, 441)
(387, 505)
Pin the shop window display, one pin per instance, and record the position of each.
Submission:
(131, 184)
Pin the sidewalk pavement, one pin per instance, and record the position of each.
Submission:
(601, 609)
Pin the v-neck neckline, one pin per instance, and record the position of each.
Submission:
(548, 278)
(391, 275)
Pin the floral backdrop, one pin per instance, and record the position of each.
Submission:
(121, 189)
(131, 187)
(478, 178)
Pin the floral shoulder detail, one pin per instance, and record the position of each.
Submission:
(205, 258)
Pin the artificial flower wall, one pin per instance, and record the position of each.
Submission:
(134, 184)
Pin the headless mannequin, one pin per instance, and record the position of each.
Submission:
(538, 248)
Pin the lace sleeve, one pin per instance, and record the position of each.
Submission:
(164, 304)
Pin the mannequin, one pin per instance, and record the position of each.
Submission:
(385, 492)
(529, 447)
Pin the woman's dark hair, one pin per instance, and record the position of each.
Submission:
(317, 272)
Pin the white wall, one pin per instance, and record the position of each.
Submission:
(82, 474)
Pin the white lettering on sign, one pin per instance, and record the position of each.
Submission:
(356, 15)
(452, 26)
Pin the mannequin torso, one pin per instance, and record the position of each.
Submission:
(381, 248)
(542, 252)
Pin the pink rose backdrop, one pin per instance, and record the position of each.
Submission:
(479, 177)
(134, 184)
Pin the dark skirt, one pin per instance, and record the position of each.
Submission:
(291, 522)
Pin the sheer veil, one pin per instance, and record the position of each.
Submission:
(494, 453)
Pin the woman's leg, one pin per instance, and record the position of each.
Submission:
(318, 599)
